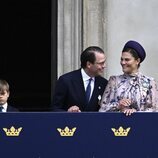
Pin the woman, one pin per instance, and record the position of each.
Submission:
(131, 91)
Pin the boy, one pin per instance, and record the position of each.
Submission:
(4, 95)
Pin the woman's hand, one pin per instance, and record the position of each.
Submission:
(128, 112)
(124, 106)
(123, 103)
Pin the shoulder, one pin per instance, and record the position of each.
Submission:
(12, 109)
(147, 81)
(102, 79)
(71, 74)
(116, 77)
(69, 77)
(146, 78)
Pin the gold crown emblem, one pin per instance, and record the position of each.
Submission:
(12, 131)
(121, 131)
(66, 131)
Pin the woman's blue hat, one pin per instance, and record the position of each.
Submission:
(137, 47)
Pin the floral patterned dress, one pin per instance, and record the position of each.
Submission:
(142, 91)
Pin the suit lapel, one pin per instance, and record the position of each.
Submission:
(95, 94)
(79, 88)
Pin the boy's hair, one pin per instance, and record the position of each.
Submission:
(4, 86)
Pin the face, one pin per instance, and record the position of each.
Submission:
(3, 97)
(97, 68)
(129, 63)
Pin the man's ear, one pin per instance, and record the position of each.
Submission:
(88, 64)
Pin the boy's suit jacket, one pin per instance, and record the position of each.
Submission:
(11, 109)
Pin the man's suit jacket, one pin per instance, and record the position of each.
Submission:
(70, 91)
(11, 109)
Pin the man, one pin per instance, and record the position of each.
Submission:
(71, 88)
(4, 95)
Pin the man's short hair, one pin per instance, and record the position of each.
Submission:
(89, 55)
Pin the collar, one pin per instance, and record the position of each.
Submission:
(4, 107)
(132, 75)
(85, 76)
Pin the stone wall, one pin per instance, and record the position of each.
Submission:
(108, 24)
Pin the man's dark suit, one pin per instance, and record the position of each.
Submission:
(70, 91)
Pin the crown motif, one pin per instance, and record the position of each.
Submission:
(67, 132)
(121, 131)
(12, 131)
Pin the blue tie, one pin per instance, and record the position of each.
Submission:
(88, 90)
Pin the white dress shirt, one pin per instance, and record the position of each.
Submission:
(4, 109)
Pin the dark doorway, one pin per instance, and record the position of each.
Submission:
(26, 52)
